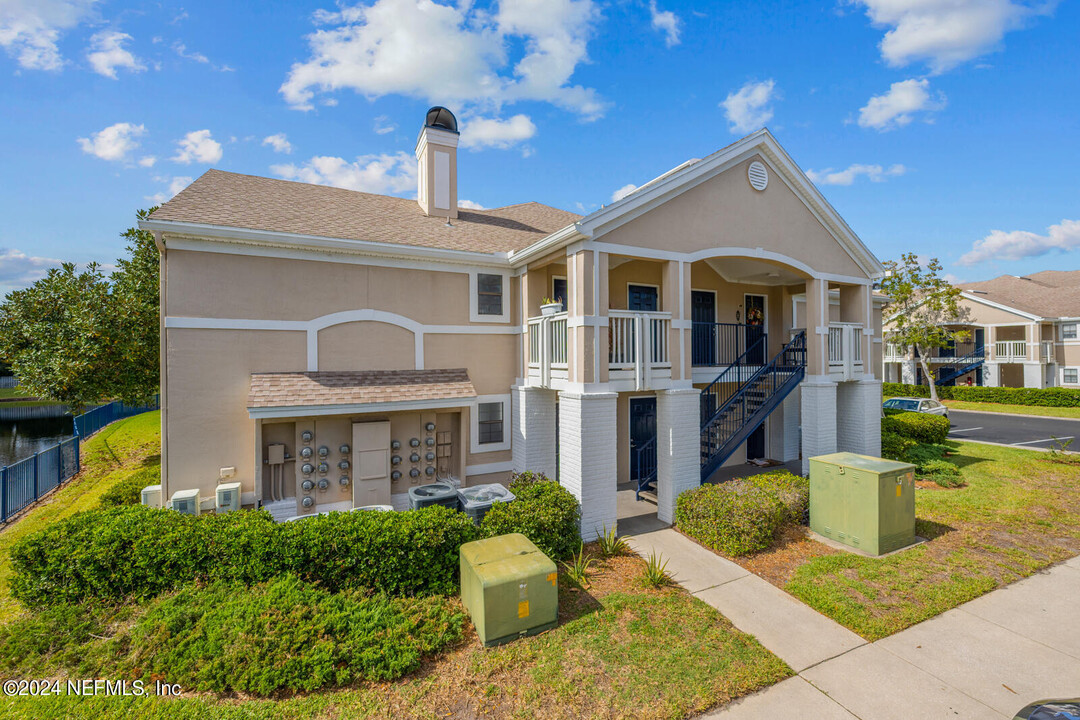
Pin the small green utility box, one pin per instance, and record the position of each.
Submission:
(861, 501)
(509, 587)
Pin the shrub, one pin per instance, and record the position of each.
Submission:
(285, 635)
(895, 446)
(129, 490)
(942, 472)
(1039, 397)
(920, 427)
(140, 552)
(793, 491)
(545, 512)
(924, 453)
(735, 517)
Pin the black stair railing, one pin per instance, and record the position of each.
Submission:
(645, 468)
(958, 366)
(747, 405)
(730, 380)
(716, 344)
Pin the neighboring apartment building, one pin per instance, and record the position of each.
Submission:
(1021, 332)
(331, 349)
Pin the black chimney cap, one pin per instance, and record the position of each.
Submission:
(442, 119)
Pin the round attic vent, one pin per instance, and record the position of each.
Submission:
(758, 175)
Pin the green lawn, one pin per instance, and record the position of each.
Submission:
(620, 650)
(114, 454)
(1018, 513)
(1061, 412)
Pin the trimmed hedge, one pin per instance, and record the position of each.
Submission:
(1032, 397)
(895, 446)
(545, 512)
(793, 491)
(140, 552)
(920, 427)
(735, 517)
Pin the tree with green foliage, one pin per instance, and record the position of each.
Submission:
(80, 338)
(924, 310)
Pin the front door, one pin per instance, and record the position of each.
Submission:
(755, 444)
(703, 334)
(642, 298)
(980, 339)
(755, 328)
(642, 431)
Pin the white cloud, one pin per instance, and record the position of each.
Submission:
(382, 174)
(470, 205)
(945, 33)
(107, 53)
(666, 22)
(113, 143)
(181, 49)
(897, 107)
(1020, 244)
(30, 29)
(176, 184)
(279, 142)
(875, 173)
(18, 270)
(478, 133)
(383, 125)
(451, 54)
(197, 146)
(749, 108)
(623, 192)
(147, 161)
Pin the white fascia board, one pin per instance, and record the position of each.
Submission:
(551, 243)
(763, 143)
(211, 234)
(1000, 306)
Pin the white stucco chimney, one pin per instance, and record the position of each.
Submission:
(436, 158)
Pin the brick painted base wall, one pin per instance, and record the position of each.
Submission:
(818, 418)
(532, 430)
(678, 447)
(588, 443)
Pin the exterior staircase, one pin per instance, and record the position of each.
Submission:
(948, 372)
(737, 402)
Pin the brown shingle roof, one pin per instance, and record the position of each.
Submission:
(354, 388)
(258, 203)
(1050, 294)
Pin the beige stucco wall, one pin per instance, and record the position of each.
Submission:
(354, 345)
(730, 297)
(726, 212)
(634, 272)
(980, 314)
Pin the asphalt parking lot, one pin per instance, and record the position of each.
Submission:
(1022, 431)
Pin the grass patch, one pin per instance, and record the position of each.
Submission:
(1061, 412)
(620, 650)
(120, 450)
(1018, 512)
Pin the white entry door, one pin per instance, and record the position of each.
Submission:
(371, 463)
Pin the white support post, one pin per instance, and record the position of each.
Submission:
(858, 417)
(532, 429)
(791, 426)
(818, 418)
(588, 441)
(678, 448)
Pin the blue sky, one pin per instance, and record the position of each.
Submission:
(945, 127)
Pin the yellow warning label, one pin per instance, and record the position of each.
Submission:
(553, 578)
(898, 488)
(523, 609)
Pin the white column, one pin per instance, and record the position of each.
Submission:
(858, 417)
(818, 418)
(991, 375)
(588, 443)
(678, 447)
(532, 429)
(1034, 375)
(907, 372)
(792, 417)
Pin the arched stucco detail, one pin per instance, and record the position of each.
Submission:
(366, 315)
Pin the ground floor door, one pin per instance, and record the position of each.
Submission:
(642, 437)
(755, 444)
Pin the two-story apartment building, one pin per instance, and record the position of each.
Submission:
(330, 348)
(1021, 332)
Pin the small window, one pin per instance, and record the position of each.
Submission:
(490, 422)
(489, 294)
(1068, 332)
(1069, 375)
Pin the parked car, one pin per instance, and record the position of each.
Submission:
(922, 405)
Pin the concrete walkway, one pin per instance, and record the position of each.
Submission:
(985, 659)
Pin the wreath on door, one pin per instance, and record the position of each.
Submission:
(754, 316)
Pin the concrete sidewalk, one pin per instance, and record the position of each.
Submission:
(985, 659)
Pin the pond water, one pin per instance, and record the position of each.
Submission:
(20, 439)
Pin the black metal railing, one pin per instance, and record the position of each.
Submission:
(954, 369)
(731, 378)
(715, 344)
(645, 467)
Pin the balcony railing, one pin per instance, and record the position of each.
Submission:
(638, 347)
(1011, 350)
(721, 344)
(845, 350)
(895, 352)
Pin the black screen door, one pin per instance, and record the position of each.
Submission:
(703, 334)
(755, 444)
(642, 298)
(642, 430)
(754, 306)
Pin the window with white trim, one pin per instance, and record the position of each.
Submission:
(1068, 332)
(489, 294)
(489, 423)
(1069, 376)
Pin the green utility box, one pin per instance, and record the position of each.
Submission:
(861, 501)
(509, 587)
